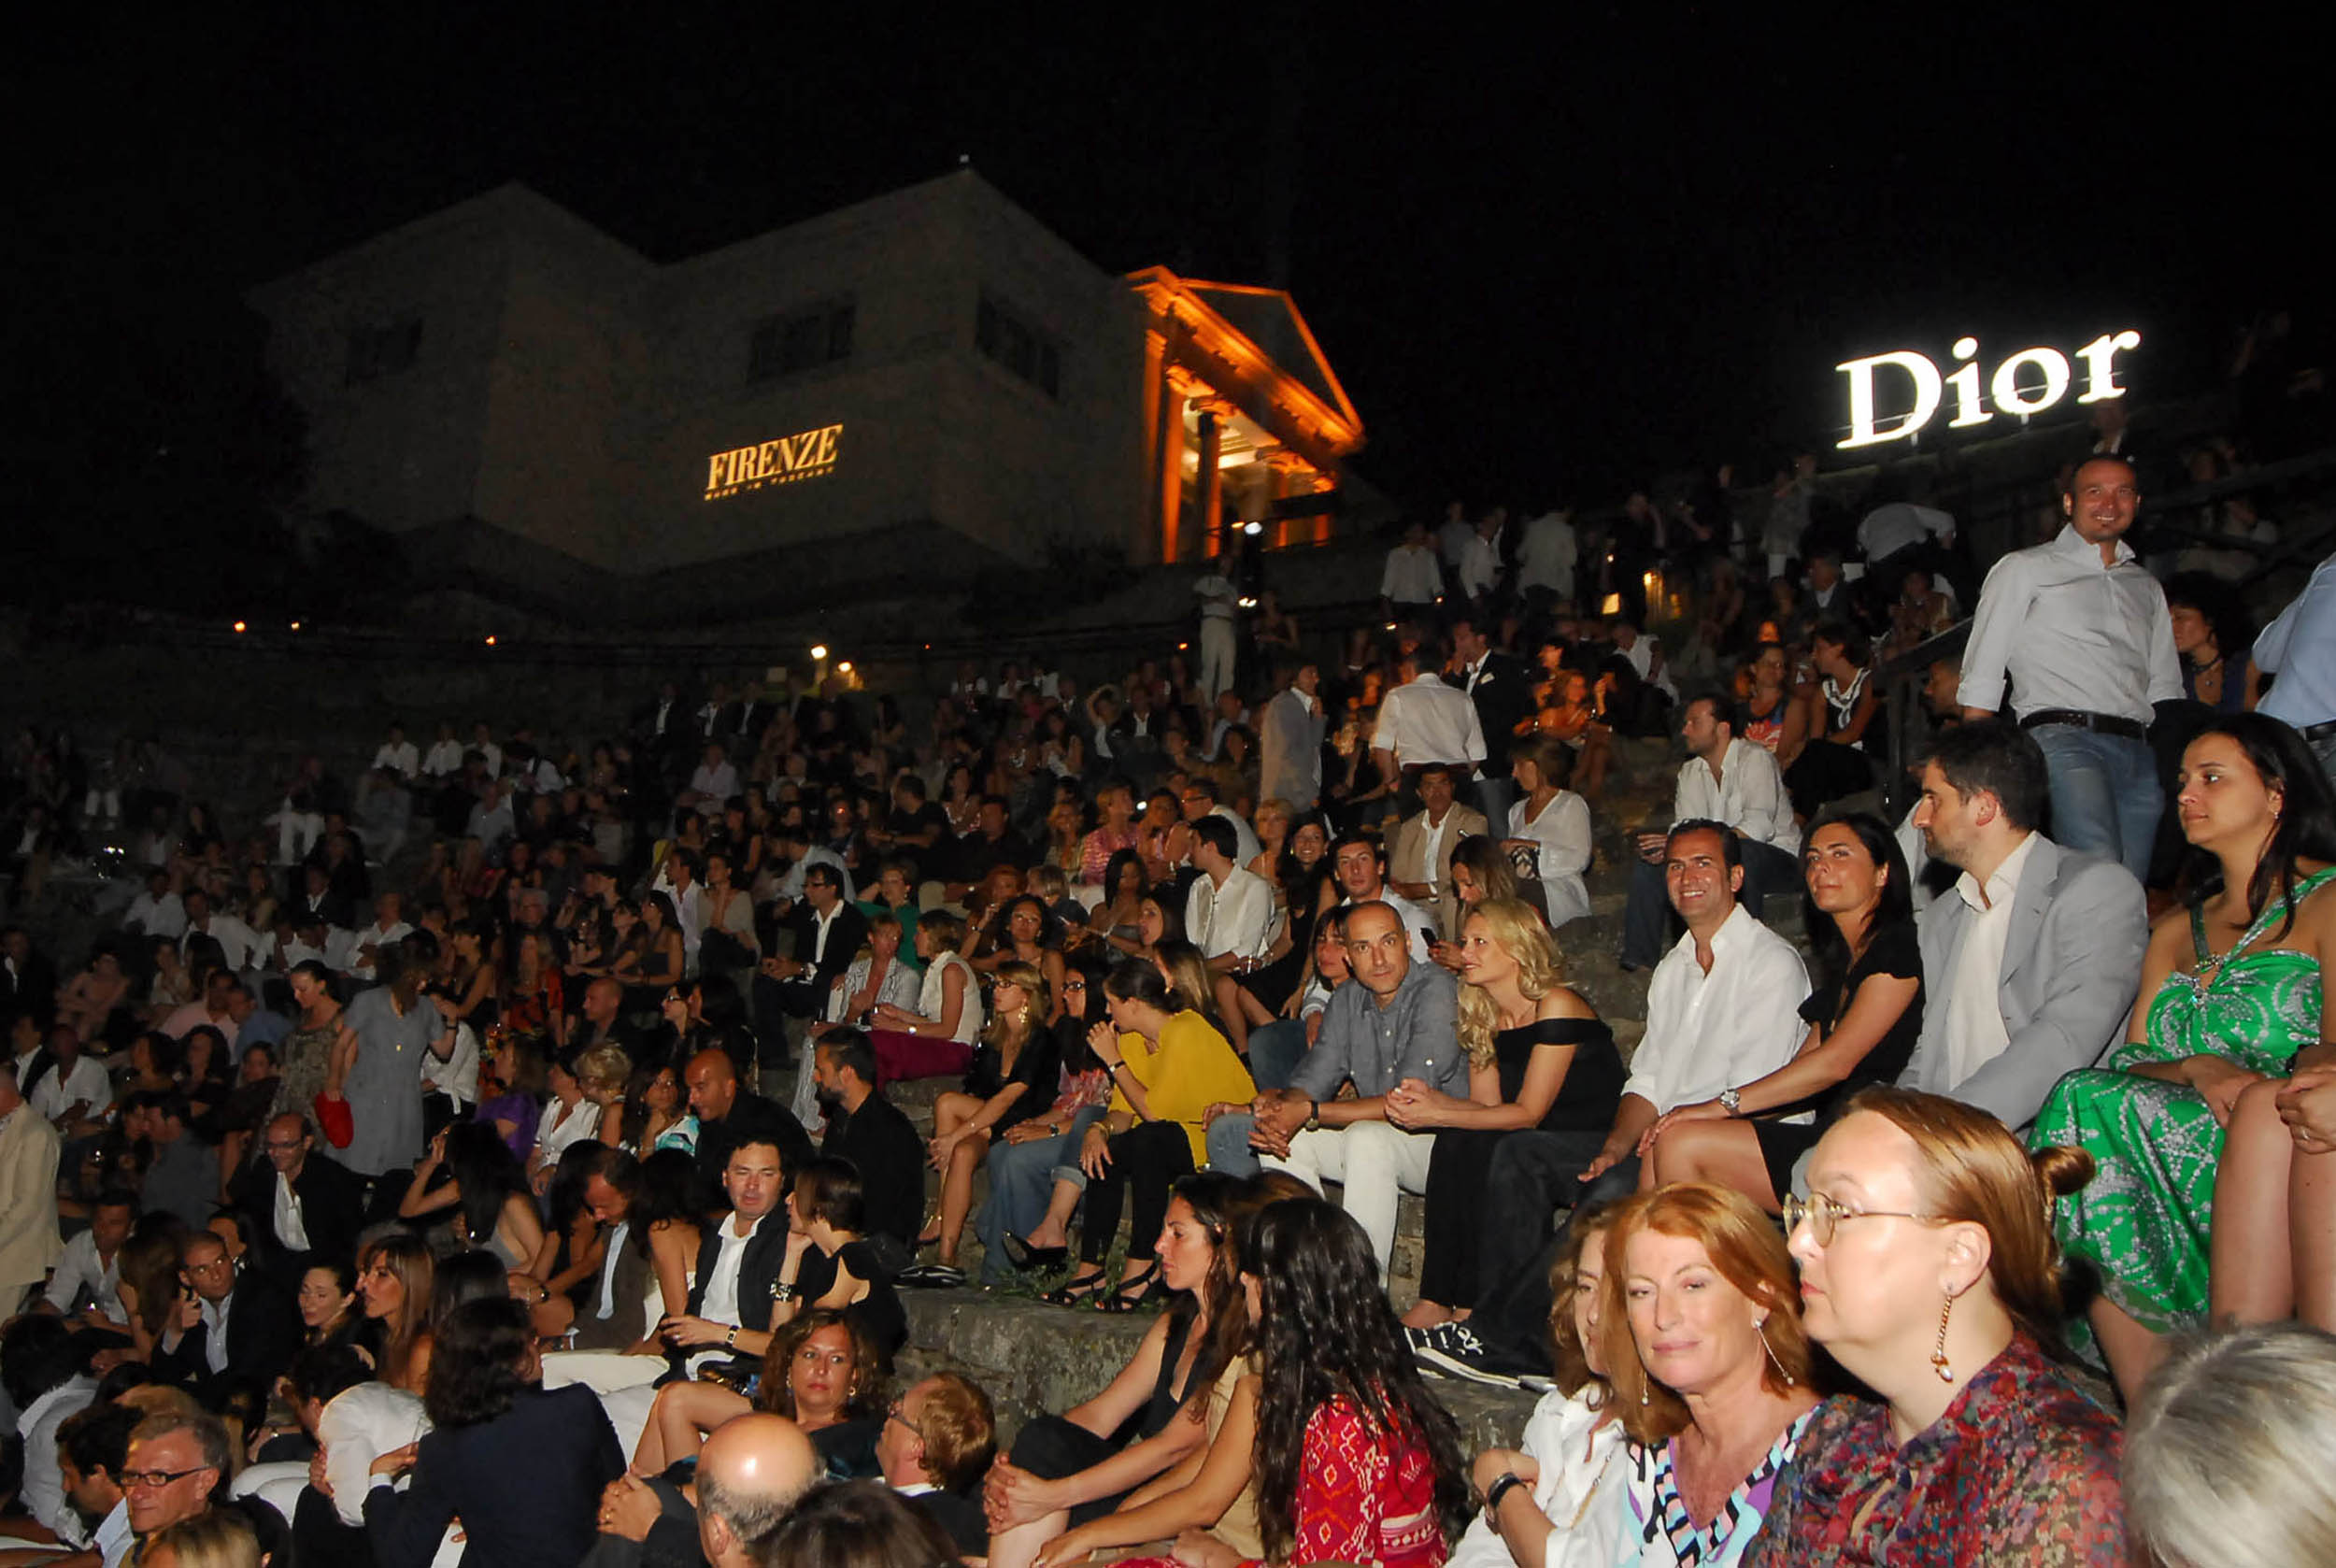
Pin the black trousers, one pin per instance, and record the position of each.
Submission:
(1534, 1174)
(1146, 1160)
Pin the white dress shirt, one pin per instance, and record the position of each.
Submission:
(1234, 919)
(1546, 555)
(1899, 525)
(554, 1136)
(2069, 632)
(1975, 1031)
(720, 1304)
(79, 1270)
(112, 1538)
(291, 1225)
(1706, 1032)
(443, 760)
(43, 1488)
(1480, 566)
(379, 937)
(1748, 795)
(86, 1084)
(1428, 722)
(236, 941)
(2300, 647)
(1574, 1447)
(360, 1425)
(1563, 836)
(215, 1331)
(400, 757)
(1412, 576)
(156, 917)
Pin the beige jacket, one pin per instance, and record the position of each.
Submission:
(1407, 857)
(29, 1244)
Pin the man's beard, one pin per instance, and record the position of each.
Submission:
(829, 1099)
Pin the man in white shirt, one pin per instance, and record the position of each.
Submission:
(1290, 741)
(1724, 1008)
(1546, 559)
(445, 760)
(1412, 584)
(1725, 779)
(45, 1372)
(92, 1452)
(75, 1090)
(2084, 635)
(715, 781)
(1897, 536)
(1423, 720)
(1217, 598)
(2031, 962)
(1228, 913)
(388, 929)
(2299, 648)
(738, 1262)
(1480, 558)
(1199, 799)
(156, 911)
(1361, 865)
(1419, 866)
(236, 941)
(398, 754)
(677, 880)
(87, 1285)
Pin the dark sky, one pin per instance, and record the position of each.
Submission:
(1544, 261)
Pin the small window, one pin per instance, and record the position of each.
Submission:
(1003, 336)
(377, 351)
(799, 340)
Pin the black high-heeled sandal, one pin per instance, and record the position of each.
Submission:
(1032, 1260)
(1133, 1290)
(1077, 1292)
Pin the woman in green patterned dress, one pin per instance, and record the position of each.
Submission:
(2230, 993)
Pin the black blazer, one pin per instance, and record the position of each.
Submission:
(526, 1486)
(332, 1207)
(751, 1118)
(845, 937)
(1503, 697)
(263, 1336)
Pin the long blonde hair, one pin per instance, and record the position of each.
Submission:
(1035, 1001)
(1519, 931)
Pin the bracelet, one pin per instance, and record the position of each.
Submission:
(1501, 1487)
(781, 1292)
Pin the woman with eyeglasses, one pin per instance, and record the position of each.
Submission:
(1928, 1269)
(1029, 1157)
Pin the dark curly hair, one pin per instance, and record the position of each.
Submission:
(478, 1361)
(1324, 1331)
(2306, 829)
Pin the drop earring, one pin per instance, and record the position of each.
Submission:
(1938, 1357)
(1761, 1329)
(1646, 1393)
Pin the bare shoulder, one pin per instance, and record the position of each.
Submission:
(1564, 1002)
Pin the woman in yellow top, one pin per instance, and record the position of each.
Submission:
(1168, 1065)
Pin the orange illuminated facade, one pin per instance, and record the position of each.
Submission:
(1244, 416)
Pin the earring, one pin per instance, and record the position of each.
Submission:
(1938, 1357)
(1646, 1394)
(1761, 1329)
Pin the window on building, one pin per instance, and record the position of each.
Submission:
(375, 351)
(800, 340)
(1002, 336)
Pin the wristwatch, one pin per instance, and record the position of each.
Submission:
(1314, 1116)
(1729, 1100)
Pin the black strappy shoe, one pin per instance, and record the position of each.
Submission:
(1078, 1292)
(1032, 1260)
(1133, 1290)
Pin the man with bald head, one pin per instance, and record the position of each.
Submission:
(728, 1115)
(298, 1202)
(1395, 1024)
(751, 1474)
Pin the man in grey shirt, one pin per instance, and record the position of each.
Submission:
(1395, 1021)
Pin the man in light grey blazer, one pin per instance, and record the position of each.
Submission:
(2031, 961)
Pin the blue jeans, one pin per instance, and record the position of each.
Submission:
(1274, 1051)
(1229, 1148)
(1022, 1184)
(2106, 799)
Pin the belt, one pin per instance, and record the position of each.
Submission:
(2107, 723)
(2320, 730)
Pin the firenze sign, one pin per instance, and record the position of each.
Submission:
(2025, 383)
(774, 462)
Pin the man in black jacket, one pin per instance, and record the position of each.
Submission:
(1500, 688)
(232, 1320)
(729, 1115)
(874, 1133)
(298, 1202)
(824, 933)
(738, 1260)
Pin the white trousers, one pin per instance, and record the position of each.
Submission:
(1217, 656)
(1374, 1159)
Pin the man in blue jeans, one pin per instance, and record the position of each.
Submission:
(2083, 636)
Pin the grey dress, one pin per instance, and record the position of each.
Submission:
(384, 1086)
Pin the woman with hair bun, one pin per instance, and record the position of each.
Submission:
(1928, 1270)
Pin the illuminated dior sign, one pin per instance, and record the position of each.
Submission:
(774, 462)
(2012, 390)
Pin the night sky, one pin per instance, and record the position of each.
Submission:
(1545, 263)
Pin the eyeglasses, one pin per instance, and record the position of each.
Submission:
(894, 1414)
(151, 1479)
(1823, 1215)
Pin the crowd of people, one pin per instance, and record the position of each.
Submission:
(501, 1159)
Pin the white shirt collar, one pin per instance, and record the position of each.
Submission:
(2002, 885)
(2070, 541)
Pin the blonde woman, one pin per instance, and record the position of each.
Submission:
(1538, 1056)
(1011, 1080)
